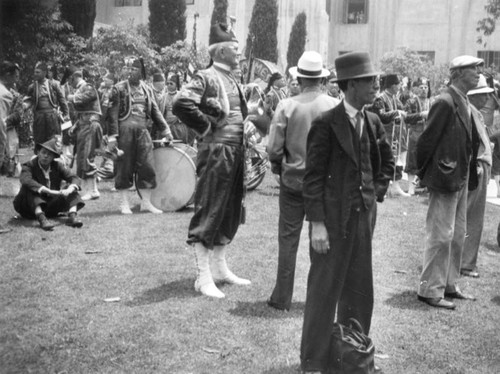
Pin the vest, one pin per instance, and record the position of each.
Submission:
(360, 187)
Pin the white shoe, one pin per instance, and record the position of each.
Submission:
(125, 206)
(146, 203)
(94, 195)
(396, 190)
(220, 270)
(209, 289)
(125, 210)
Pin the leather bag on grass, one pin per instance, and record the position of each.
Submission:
(351, 351)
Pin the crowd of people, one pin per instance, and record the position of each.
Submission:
(340, 141)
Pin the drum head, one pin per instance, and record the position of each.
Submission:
(175, 179)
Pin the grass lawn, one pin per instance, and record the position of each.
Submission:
(54, 317)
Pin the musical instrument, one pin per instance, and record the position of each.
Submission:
(175, 177)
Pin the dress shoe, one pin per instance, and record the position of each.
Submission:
(72, 221)
(459, 295)
(437, 302)
(274, 305)
(44, 222)
(469, 273)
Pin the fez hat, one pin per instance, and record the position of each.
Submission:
(465, 61)
(354, 65)
(137, 64)
(53, 145)
(481, 88)
(158, 77)
(391, 79)
(220, 33)
(310, 65)
(41, 66)
(72, 69)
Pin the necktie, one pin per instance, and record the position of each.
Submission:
(359, 123)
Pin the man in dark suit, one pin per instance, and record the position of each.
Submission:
(447, 162)
(41, 195)
(348, 168)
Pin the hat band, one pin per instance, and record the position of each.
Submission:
(308, 72)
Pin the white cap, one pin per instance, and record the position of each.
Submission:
(482, 87)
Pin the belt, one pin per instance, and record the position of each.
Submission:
(45, 110)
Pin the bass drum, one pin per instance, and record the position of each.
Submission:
(175, 179)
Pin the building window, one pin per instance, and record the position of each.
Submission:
(120, 3)
(189, 2)
(491, 58)
(428, 56)
(356, 11)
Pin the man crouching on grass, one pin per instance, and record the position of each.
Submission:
(41, 195)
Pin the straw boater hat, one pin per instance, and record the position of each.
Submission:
(481, 88)
(354, 65)
(310, 65)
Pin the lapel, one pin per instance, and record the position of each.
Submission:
(462, 111)
(340, 126)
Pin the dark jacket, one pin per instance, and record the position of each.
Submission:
(331, 161)
(56, 96)
(447, 149)
(122, 105)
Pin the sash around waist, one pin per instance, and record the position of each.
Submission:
(229, 134)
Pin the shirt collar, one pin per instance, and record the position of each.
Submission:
(352, 111)
(222, 66)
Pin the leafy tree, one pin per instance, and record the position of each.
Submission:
(408, 63)
(297, 41)
(37, 33)
(262, 41)
(167, 21)
(219, 14)
(486, 26)
(80, 14)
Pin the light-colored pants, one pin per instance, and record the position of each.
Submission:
(445, 236)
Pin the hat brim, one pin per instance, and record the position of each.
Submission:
(40, 146)
(367, 75)
(483, 90)
(294, 71)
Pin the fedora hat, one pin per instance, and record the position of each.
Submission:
(481, 88)
(355, 65)
(53, 145)
(310, 65)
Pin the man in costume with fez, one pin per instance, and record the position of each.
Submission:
(476, 199)
(417, 106)
(390, 111)
(287, 153)
(447, 154)
(88, 131)
(46, 98)
(212, 104)
(41, 195)
(133, 109)
(349, 166)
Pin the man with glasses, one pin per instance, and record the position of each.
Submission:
(447, 162)
(349, 166)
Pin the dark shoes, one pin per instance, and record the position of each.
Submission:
(44, 222)
(459, 295)
(73, 221)
(272, 304)
(437, 302)
(469, 273)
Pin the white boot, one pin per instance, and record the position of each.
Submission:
(146, 202)
(204, 282)
(396, 190)
(124, 205)
(411, 184)
(220, 270)
(90, 189)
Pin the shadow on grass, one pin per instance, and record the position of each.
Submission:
(496, 300)
(405, 300)
(283, 370)
(491, 247)
(182, 288)
(262, 310)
